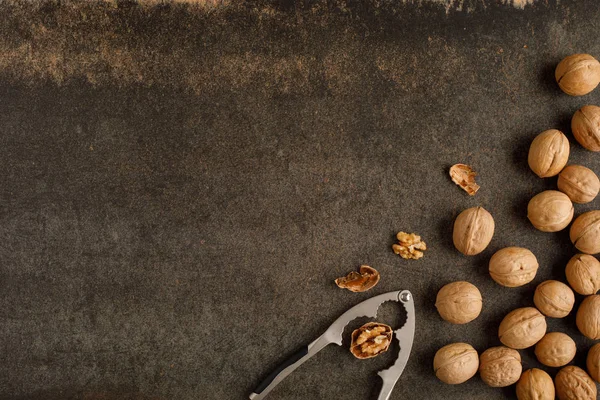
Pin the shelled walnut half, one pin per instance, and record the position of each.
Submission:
(464, 176)
(409, 246)
(360, 281)
(370, 340)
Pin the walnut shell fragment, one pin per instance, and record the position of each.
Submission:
(361, 281)
(464, 176)
(370, 340)
(409, 246)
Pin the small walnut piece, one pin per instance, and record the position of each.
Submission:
(522, 328)
(500, 366)
(361, 281)
(593, 362)
(581, 184)
(573, 383)
(473, 230)
(585, 232)
(459, 302)
(577, 74)
(370, 340)
(555, 349)
(455, 363)
(585, 126)
(588, 317)
(535, 384)
(550, 211)
(583, 274)
(513, 266)
(554, 299)
(409, 246)
(548, 153)
(464, 176)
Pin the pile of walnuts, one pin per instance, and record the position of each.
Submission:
(548, 211)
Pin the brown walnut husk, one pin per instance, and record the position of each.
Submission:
(464, 176)
(577, 74)
(581, 184)
(522, 328)
(535, 384)
(583, 274)
(370, 340)
(585, 126)
(555, 349)
(554, 299)
(473, 230)
(361, 281)
(588, 317)
(500, 366)
(455, 363)
(573, 383)
(585, 232)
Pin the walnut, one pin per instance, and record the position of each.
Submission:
(409, 246)
(464, 176)
(370, 340)
(593, 362)
(550, 211)
(361, 281)
(548, 153)
(583, 274)
(513, 266)
(585, 126)
(554, 299)
(581, 184)
(573, 383)
(500, 366)
(473, 230)
(459, 302)
(535, 384)
(585, 232)
(588, 317)
(577, 74)
(455, 363)
(555, 349)
(522, 328)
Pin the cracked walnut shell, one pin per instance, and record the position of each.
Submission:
(455, 363)
(593, 362)
(473, 230)
(581, 184)
(409, 246)
(588, 317)
(550, 211)
(573, 383)
(577, 74)
(554, 299)
(585, 126)
(361, 281)
(548, 153)
(370, 340)
(535, 384)
(459, 302)
(583, 274)
(522, 328)
(513, 266)
(464, 176)
(555, 349)
(585, 232)
(500, 366)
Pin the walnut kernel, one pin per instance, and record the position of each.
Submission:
(409, 246)
(370, 340)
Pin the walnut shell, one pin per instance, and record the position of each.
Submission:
(361, 281)
(455, 363)
(535, 384)
(588, 317)
(464, 176)
(500, 366)
(585, 232)
(555, 349)
(593, 362)
(459, 302)
(581, 184)
(473, 230)
(522, 328)
(577, 74)
(585, 126)
(370, 340)
(583, 274)
(548, 153)
(554, 299)
(550, 211)
(573, 383)
(513, 266)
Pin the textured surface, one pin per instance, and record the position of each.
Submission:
(182, 184)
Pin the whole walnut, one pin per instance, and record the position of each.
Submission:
(585, 126)
(573, 383)
(583, 274)
(554, 299)
(459, 302)
(550, 211)
(513, 266)
(522, 328)
(548, 153)
(500, 366)
(588, 317)
(585, 232)
(473, 230)
(577, 74)
(535, 384)
(455, 363)
(593, 362)
(581, 184)
(555, 349)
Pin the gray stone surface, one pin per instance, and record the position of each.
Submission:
(181, 186)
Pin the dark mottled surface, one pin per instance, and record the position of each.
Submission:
(180, 186)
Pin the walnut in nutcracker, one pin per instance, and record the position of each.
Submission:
(554, 299)
(588, 317)
(500, 366)
(573, 383)
(522, 328)
(370, 340)
(577, 74)
(585, 126)
(583, 274)
(513, 266)
(455, 363)
(473, 230)
(459, 302)
(581, 184)
(548, 153)
(555, 349)
(593, 362)
(585, 232)
(535, 384)
(550, 211)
